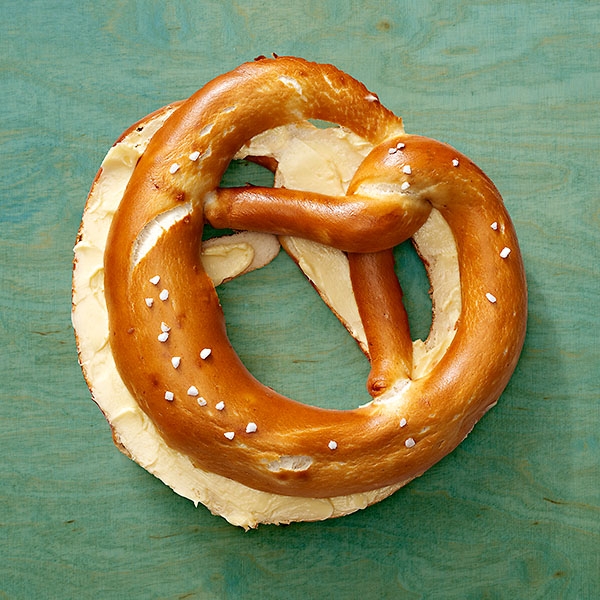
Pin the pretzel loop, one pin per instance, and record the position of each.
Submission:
(209, 407)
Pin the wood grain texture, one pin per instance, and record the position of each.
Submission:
(513, 513)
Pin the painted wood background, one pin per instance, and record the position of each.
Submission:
(513, 513)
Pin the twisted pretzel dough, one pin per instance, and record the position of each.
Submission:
(161, 303)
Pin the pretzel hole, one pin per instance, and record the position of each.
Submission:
(241, 172)
(289, 339)
(415, 287)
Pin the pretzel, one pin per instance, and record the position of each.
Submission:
(218, 435)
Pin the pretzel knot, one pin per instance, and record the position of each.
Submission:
(167, 331)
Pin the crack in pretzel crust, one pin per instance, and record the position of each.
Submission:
(187, 393)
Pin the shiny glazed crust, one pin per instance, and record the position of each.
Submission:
(240, 429)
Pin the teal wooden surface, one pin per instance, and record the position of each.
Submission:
(513, 512)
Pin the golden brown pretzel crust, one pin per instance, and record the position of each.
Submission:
(340, 452)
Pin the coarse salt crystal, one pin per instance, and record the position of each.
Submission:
(176, 361)
(251, 427)
(169, 396)
(406, 169)
(455, 162)
(504, 252)
(195, 155)
(400, 145)
(192, 391)
(174, 168)
(205, 353)
(494, 225)
(332, 445)
(405, 185)
(409, 443)
(164, 295)
(229, 435)
(163, 337)
(154, 280)
(164, 327)
(201, 401)
(490, 297)
(402, 422)
(220, 405)
(149, 302)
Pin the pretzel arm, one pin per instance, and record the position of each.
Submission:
(379, 298)
(351, 223)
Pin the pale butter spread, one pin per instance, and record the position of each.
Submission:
(333, 155)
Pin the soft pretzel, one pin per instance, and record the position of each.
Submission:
(218, 435)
